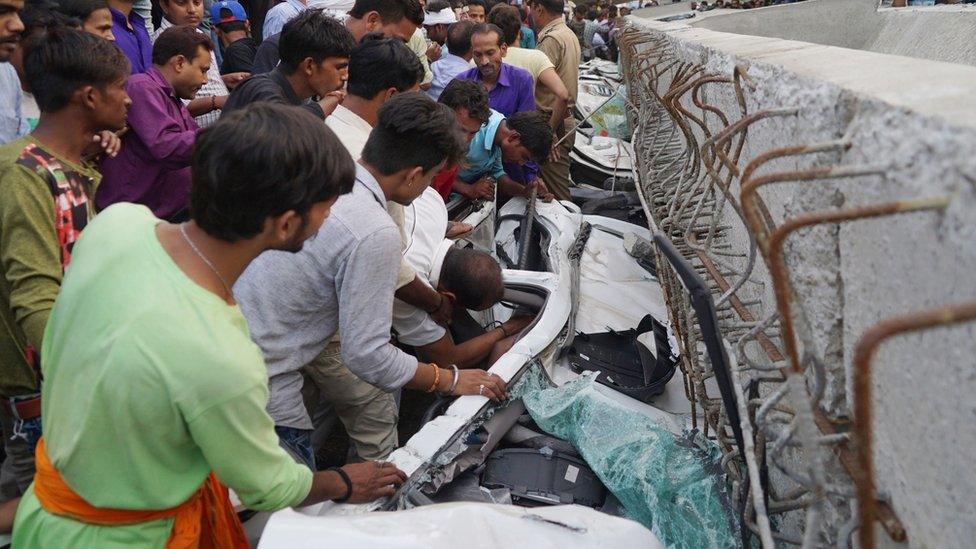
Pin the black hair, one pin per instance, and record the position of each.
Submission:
(481, 3)
(413, 130)
(78, 11)
(551, 6)
(506, 18)
(390, 11)
(468, 94)
(535, 130)
(313, 34)
(581, 9)
(62, 60)
(473, 276)
(485, 28)
(262, 161)
(435, 6)
(39, 16)
(459, 38)
(230, 26)
(179, 40)
(379, 63)
(592, 15)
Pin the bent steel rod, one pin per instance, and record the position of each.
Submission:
(864, 351)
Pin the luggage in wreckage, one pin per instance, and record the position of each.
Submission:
(625, 364)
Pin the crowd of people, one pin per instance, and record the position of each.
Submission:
(209, 232)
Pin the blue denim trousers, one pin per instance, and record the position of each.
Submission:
(298, 444)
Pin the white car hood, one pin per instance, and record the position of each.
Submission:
(451, 525)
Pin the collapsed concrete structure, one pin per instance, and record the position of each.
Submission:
(845, 133)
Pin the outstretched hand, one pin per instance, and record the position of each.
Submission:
(231, 80)
(456, 229)
(542, 191)
(372, 480)
(480, 382)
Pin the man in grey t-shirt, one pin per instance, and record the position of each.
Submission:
(344, 278)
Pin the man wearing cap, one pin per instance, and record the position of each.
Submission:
(234, 32)
(437, 18)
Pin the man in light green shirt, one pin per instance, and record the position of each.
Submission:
(151, 379)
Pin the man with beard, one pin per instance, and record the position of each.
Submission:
(438, 16)
(510, 89)
(12, 123)
(153, 167)
(47, 184)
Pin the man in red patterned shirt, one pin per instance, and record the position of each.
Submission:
(47, 181)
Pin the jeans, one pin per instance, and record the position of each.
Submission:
(30, 431)
(298, 444)
(19, 442)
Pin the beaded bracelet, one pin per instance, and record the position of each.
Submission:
(437, 379)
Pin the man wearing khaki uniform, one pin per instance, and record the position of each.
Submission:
(562, 47)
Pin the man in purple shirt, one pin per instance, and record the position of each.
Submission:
(153, 166)
(510, 89)
(131, 36)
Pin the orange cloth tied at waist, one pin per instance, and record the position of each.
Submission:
(206, 519)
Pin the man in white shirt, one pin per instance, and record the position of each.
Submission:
(472, 279)
(379, 68)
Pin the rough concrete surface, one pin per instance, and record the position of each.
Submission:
(938, 33)
(915, 120)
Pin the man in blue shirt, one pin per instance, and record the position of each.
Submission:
(521, 138)
(454, 59)
(281, 14)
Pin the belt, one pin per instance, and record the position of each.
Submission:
(206, 519)
(24, 408)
